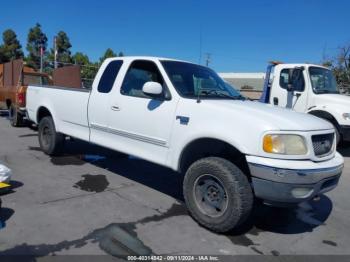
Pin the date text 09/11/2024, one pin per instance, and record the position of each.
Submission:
(173, 258)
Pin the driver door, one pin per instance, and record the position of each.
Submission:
(142, 124)
(296, 98)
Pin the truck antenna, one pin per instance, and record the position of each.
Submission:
(200, 45)
(208, 60)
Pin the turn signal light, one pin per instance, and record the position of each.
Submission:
(268, 144)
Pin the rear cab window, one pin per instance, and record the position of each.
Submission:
(108, 76)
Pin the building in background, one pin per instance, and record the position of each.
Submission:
(250, 84)
(253, 81)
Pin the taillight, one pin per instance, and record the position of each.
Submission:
(20, 98)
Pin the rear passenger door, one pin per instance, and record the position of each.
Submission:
(141, 125)
(98, 107)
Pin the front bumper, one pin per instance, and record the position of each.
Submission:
(345, 132)
(277, 184)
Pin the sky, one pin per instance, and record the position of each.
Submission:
(241, 36)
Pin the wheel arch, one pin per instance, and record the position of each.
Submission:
(324, 115)
(206, 147)
(42, 112)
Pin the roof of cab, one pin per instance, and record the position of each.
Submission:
(299, 65)
(151, 58)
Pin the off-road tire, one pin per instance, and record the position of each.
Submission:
(51, 142)
(16, 119)
(239, 193)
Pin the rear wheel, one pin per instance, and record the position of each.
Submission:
(16, 119)
(51, 142)
(217, 193)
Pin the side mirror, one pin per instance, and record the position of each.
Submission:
(290, 88)
(152, 88)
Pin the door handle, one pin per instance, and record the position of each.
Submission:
(115, 108)
(275, 101)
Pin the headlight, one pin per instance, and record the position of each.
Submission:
(284, 144)
(346, 116)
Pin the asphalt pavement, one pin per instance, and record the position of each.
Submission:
(93, 201)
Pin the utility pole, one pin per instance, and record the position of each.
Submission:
(41, 57)
(55, 51)
(208, 59)
(42, 50)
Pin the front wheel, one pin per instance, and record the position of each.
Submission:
(338, 136)
(337, 132)
(217, 194)
(51, 142)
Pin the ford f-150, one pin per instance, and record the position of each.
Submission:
(185, 117)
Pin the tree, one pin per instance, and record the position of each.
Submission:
(80, 59)
(11, 49)
(108, 53)
(63, 46)
(2, 55)
(88, 69)
(340, 64)
(36, 42)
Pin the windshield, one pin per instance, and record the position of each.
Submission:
(323, 81)
(193, 81)
(29, 79)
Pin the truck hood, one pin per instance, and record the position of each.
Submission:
(271, 117)
(334, 99)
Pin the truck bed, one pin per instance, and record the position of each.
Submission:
(67, 105)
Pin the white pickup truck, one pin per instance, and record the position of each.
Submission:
(183, 116)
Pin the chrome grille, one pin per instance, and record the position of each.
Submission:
(322, 144)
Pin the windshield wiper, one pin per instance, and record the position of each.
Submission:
(325, 91)
(215, 92)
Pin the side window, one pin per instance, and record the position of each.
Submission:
(108, 77)
(286, 75)
(298, 80)
(284, 78)
(138, 74)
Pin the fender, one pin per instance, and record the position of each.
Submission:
(324, 115)
(52, 113)
(178, 152)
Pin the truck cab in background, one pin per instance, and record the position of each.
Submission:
(15, 77)
(311, 89)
